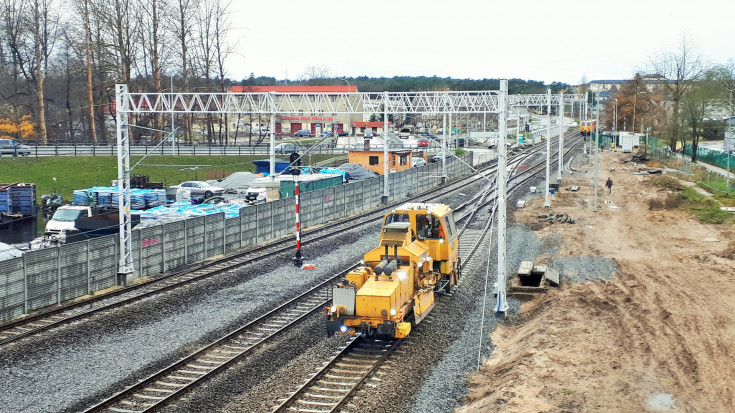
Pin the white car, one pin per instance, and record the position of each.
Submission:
(200, 188)
(417, 161)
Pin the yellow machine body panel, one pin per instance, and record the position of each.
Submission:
(376, 298)
(403, 329)
(423, 303)
(394, 289)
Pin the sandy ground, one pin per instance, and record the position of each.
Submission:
(659, 336)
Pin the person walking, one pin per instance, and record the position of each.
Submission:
(609, 184)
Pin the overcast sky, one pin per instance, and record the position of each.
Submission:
(532, 39)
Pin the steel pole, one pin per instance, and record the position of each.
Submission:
(502, 305)
(444, 149)
(597, 152)
(272, 169)
(386, 170)
(173, 113)
(728, 144)
(547, 198)
(561, 136)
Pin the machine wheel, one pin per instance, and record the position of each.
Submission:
(208, 194)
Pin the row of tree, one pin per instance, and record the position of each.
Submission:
(681, 99)
(59, 61)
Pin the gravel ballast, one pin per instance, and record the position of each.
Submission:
(73, 367)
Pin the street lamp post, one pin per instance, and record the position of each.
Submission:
(615, 129)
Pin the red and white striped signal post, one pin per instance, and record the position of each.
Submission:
(297, 258)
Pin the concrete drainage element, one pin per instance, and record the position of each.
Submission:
(531, 280)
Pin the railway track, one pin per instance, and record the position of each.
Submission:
(331, 387)
(47, 320)
(170, 383)
(335, 383)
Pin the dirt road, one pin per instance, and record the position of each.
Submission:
(659, 336)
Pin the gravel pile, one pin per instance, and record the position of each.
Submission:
(579, 269)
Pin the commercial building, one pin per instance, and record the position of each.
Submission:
(316, 123)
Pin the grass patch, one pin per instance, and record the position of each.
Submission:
(666, 182)
(86, 171)
(707, 210)
(724, 199)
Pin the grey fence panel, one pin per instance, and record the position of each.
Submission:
(372, 193)
(195, 240)
(174, 236)
(42, 276)
(214, 236)
(74, 270)
(265, 221)
(12, 287)
(349, 197)
(328, 203)
(290, 217)
(150, 248)
(249, 226)
(314, 206)
(280, 213)
(103, 261)
(339, 201)
(357, 190)
(232, 233)
(306, 213)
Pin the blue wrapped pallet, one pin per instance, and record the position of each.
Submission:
(19, 199)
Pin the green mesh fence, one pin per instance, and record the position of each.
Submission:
(712, 157)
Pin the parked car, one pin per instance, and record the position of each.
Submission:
(200, 188)
(343, 133)
(423, 143)
(304, 133)
(12, 147)
(417, 161)
(289, 148)
(438, 157)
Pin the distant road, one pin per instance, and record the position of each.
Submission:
(111, 150)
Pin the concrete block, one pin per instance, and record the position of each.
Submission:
(525, 268)
(552, 277)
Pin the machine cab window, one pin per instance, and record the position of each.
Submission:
(429, 226)
(396, 218)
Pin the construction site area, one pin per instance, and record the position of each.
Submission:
(658, 334)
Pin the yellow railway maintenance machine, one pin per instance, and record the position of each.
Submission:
(394, 289)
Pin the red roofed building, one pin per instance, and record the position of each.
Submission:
(316, 123)
(295, 89)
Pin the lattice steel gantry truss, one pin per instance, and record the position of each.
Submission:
(433, 103)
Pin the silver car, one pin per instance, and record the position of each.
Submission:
(12, 147)
(200, 188)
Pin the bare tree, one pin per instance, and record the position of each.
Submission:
(223, 49)
(680, 68)
(154, 40)
(205, 51)
(185, 18)
(85, 9)
(697, 105)
(316, 75)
